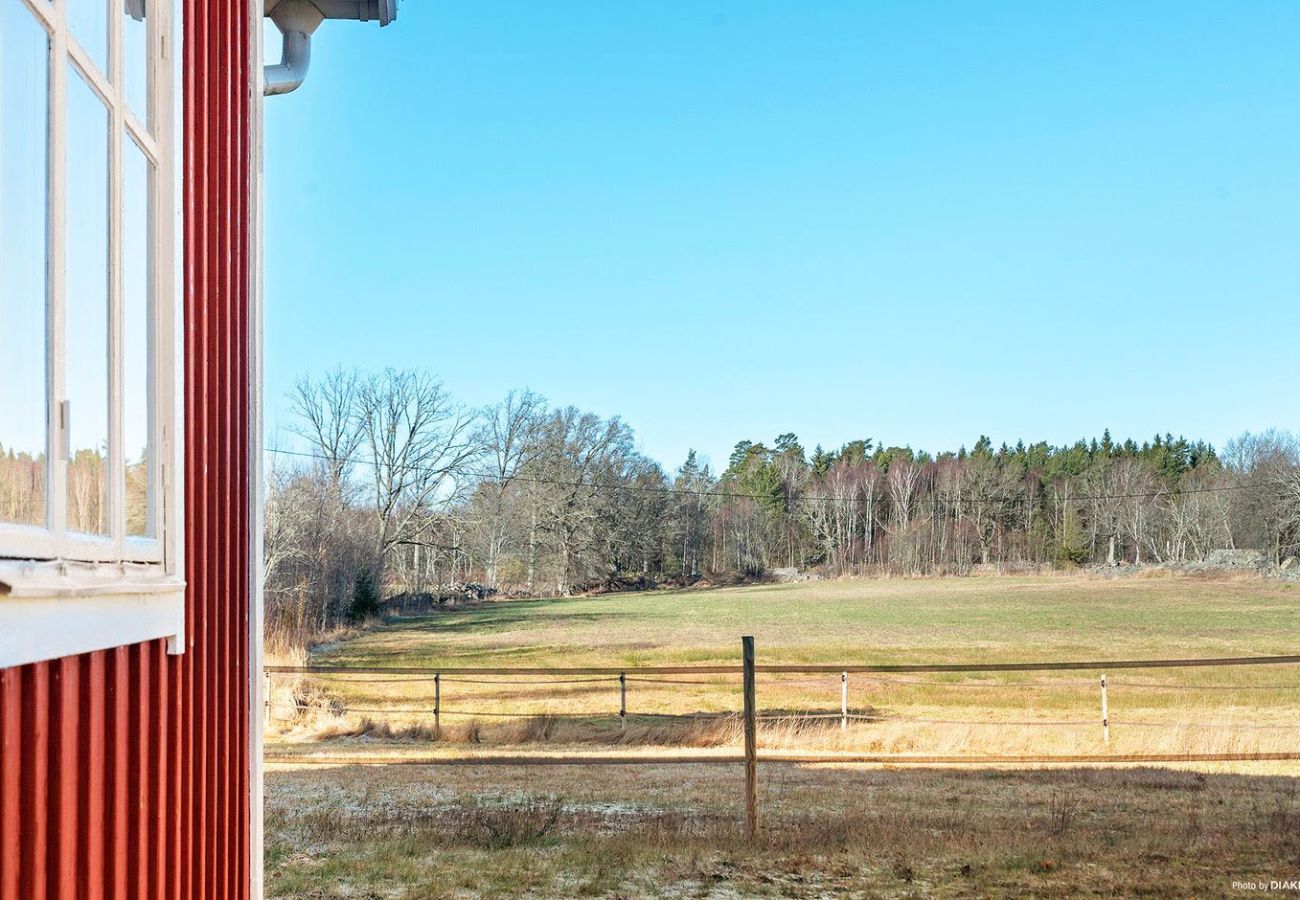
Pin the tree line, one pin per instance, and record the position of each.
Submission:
(392, 487)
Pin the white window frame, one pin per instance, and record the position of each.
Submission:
(63, 593)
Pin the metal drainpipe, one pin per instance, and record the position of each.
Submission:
(298, 20)
(295, 58)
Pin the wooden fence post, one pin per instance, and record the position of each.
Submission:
(1105, 712)
(844, 700)
(622, 700)
(751, 741)
(437, 701)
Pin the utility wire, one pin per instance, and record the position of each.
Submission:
(736, 495)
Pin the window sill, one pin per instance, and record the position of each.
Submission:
(54, 609)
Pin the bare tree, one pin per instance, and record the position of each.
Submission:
(1102, 485)
(1263, 515)
(582, 455)
(508, 433)
(1196, 515)
(985, 494)
(689, 528)
(316, 542)
(1138, 494)
(325, 414)
(1288, 514)
(420, 443)
(905, 481)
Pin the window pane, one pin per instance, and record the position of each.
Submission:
(89, 22)
(86, 309)
(137, 412)
(24, 77)
(135, 58)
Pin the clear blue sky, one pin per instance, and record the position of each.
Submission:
(914, 222)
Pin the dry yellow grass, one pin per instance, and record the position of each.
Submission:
(1223, 710)
(427, 832)
(829, 830)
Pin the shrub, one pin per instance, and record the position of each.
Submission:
(365, 598)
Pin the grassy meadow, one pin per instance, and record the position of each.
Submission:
(829, 830)
(962, 620)
(973, 619)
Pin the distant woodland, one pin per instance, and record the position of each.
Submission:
(389, 487)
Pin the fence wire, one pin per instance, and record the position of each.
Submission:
(864, 677)
(457, 679)
(785, 717)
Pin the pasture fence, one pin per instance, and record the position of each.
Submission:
(661, 675)
(751, 714)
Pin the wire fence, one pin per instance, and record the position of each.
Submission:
(867, 677)
(684, 677)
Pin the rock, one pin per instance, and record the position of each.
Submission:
(1236, 559)
(1291, 564)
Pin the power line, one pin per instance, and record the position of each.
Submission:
(736, 495)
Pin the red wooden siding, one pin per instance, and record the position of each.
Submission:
(125, 772)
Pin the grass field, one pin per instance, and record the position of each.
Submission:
(830, 830)
(903, 620)
(638, 832)
(968, 620)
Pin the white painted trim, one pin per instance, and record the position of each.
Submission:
(256, 613)
(68, 625)
(169, 411)
(32, 579)
(29, 541)
(117, 290)
(56, 450)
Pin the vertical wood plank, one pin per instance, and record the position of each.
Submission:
(94, 759)
(65, 777)
(11, 753)
(119, 764)
(35, 779)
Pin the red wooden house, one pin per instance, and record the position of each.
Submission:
(130, 628)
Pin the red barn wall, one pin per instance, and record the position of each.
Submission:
(126, 771)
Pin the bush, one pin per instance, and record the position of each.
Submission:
(365, 598)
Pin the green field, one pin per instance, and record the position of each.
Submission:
(968, 620)
(902, 620)
(429, 831)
